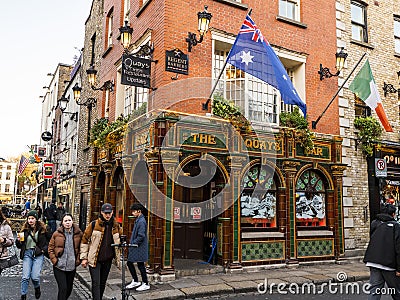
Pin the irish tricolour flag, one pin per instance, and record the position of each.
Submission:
(364, 87)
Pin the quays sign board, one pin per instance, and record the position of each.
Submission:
(135, 71)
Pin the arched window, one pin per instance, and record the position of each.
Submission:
(258, 198)
(310, 200)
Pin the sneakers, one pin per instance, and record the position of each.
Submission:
(132, 285)
(143, 287)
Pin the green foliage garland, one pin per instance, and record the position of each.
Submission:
(295, 120)
(369, 133)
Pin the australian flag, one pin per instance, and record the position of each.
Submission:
(252, 54)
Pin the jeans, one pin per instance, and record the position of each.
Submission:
(52, 224)
(65, 282)
(99, 275)
(142, 270)
(377, 281)
(31, 269)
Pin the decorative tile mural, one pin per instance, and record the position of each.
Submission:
(263, 251)
(311, 248)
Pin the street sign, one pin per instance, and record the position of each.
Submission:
(380, 167)
(48, 170)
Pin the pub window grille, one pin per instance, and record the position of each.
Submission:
(310, 200)
(258, 198)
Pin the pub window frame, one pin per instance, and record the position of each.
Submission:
(304, 193)
(251, 193)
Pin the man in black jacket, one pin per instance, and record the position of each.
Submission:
(383, 253)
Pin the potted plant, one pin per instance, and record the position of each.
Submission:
(369, 132)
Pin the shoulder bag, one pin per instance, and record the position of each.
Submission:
(10, 261)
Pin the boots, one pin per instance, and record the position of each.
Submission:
(23, 297)
(37, 292)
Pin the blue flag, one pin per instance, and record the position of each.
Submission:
(252, 54)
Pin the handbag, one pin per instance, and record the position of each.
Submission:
(38, 251)
(10, 261)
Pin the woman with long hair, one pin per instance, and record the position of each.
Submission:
(6, 236)
(64, 253)
(33, 241)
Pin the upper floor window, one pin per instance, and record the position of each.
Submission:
(109, 29)
(7, 189)
(8, 176)
(1, 174)
(397, 34)
(289, 9)
(359, 22)
(258, 101)
(362, 110)
(135, 97)
(127, 9)
(8, 167)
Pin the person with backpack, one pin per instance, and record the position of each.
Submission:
(50, 214)
(96, 249)
(383, 253)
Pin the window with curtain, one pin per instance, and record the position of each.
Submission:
(310, 200)
(359, 22)
(258, 198)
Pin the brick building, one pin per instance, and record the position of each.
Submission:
(296, 215)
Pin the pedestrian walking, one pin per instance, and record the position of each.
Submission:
(139, 253)
(50, 213)
(6, 236)
(64, 253)
(39, 210)
(383, 253)
(60, 214)
(28, 205)
(33, 242)
(96, 249)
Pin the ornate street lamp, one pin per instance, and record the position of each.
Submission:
(324, 72)
(204, 19)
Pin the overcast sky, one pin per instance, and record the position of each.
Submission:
(36, 36)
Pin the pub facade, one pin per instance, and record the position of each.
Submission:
(244, 197)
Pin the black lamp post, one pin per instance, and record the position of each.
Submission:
(324, 72)
(204, 18)
(89, 102)
(62, 103)
(107, 85)
(126, 35)
(389, 88)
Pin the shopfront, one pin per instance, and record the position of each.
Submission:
(243, 197)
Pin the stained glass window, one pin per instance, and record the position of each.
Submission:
(258, 198)
(310, 200)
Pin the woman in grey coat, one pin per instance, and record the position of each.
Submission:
(139, 252)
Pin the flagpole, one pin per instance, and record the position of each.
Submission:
(314, 123)
(205, 105)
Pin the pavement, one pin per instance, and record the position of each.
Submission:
(197, 279)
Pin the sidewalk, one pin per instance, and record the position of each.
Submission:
(242, 281)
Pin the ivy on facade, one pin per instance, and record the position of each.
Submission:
(369, 133)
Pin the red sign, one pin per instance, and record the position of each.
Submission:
(48, 170)
(196, 213)
(177, 213)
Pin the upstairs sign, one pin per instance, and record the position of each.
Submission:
(135, 71)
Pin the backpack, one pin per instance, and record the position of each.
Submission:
(50, 212)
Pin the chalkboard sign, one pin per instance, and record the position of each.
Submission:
(135, 71)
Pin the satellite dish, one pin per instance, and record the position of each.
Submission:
(47, 136)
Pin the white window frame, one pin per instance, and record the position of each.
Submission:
(241, 84)
(127, 9)
(397, 34)
(110, 19)
(284, 5)
(356, 25)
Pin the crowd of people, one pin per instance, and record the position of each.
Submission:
(58, 238)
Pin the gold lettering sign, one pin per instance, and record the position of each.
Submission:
(102, 154)
(316, 151)
(272, 145)
(141, 140)
(202, 138)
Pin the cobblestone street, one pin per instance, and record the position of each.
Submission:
(10, 284)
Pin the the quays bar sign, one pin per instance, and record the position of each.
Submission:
(265, 144)
(203, 139)
(176, 61)
(135, 71)
(320, 151)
